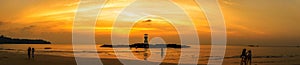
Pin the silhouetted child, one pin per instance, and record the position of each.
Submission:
(33, 52)
(28, 52)
(249, 57)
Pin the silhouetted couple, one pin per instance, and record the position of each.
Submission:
(30, 52)
(246, 57)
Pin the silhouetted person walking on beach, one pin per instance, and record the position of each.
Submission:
(243, 56)
(243, 53)
(32, 53)
(249, 57)
(28, 52)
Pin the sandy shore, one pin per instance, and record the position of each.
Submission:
(11, 58)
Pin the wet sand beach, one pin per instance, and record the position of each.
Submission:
(11, 58)
(63, 55)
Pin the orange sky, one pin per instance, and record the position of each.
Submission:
(248, 21)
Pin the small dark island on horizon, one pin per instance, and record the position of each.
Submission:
(142, 45)
(147, 45)
(8, 40)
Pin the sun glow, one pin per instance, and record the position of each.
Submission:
(55, 17)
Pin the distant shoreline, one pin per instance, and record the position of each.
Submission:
(8, 40)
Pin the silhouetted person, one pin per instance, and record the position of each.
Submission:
(243, 56)
(249, 57)
(32, 52)
(28, 52)
(243, 53)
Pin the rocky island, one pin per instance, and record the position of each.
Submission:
(147, 45)
(8, 40)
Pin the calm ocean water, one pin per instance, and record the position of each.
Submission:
(261, 55)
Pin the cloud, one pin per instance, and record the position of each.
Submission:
(149, 20)
(28, 27)
(229, 2)
(1, 23)
(243, 30)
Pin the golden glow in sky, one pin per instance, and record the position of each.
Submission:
(247, 21)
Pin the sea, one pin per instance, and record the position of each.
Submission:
(262, 55)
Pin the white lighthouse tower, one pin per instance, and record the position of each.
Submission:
(145, 38)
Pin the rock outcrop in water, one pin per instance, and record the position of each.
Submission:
(7, 40)
(142, 45)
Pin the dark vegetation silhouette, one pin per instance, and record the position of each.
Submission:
(8, 40)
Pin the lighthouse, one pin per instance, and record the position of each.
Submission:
(146, 40)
